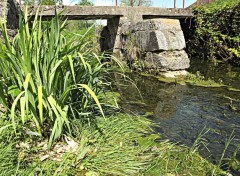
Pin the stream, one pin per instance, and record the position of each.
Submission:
(183, 111)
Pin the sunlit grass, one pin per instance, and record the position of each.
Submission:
(119, 145)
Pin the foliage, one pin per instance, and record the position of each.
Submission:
(136, 2)
(104, 149)
(114, 150)
(85, 3)
(48, 80)
(42, 2)
(76, 25)
(216, 31)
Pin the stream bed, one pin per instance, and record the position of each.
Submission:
(183, 111)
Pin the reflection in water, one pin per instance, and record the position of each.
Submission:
(183, 111)
(229, 74)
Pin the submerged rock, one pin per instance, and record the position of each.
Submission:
(174, 74)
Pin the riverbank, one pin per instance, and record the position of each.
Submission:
(120, 145)
(55, 119)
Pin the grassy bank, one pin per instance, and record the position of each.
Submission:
(216, 31)
(118, 145)
(58, 119)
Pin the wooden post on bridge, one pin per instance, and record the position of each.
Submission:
(174, 4)
(183, 3)
(116, 2)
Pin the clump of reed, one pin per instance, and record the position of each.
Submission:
(48, 79)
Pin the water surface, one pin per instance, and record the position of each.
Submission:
(183, 111)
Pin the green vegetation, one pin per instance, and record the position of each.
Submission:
(118, 145)
(47, 79)
(43, 2)
(199, 80)
(52, 93)
(136, 2)
(85, 3)
(216, 31)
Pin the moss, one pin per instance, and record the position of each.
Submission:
(233, 89)
(190, 79)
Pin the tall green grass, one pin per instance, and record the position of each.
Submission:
(48, 79)
(7, 157)
(8, 154)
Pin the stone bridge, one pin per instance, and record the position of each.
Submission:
(148, 37)
(117, 17)
(109, 12)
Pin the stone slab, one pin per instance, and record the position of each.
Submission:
(167, 60)
(156, 24)
(159, 40)
(107, 12)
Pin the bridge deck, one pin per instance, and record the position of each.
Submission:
(106, 12)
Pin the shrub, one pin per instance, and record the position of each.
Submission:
(216, 31)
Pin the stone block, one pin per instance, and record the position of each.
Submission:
(167, 60)
(159, 40)
(156, 24)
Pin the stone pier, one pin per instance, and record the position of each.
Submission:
(9, 13)
(155, 45)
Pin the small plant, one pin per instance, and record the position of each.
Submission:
(133, 53)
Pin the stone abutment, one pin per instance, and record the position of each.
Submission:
(153, 45)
